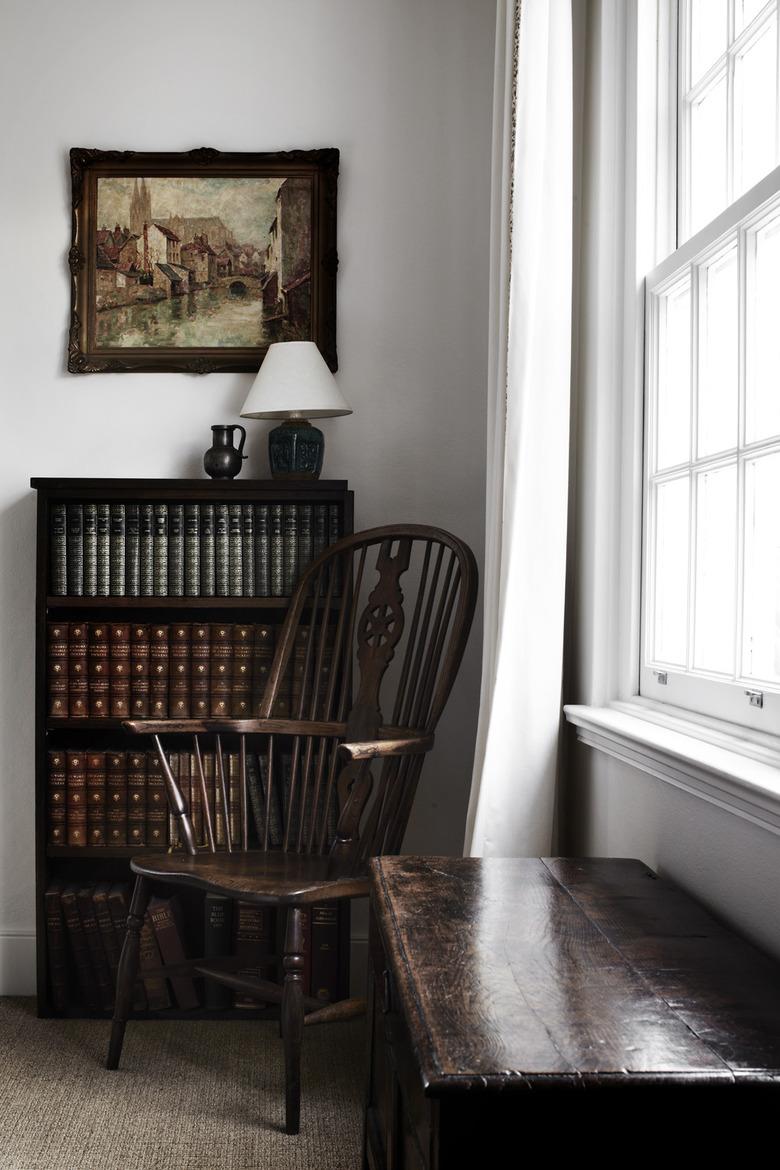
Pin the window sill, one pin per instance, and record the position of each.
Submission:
(722, 768)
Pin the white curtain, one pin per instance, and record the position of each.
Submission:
(513, 791)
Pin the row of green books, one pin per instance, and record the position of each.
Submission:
(186, 550)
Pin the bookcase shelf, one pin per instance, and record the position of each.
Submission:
(91, 864)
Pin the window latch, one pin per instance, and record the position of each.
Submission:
(755, 698)
(661, 677)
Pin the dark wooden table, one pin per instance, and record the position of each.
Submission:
(556, 995)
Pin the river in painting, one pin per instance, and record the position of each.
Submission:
(206, 317)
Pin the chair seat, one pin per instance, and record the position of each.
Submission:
(289, 879)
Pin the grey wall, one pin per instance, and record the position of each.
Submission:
(404, 88)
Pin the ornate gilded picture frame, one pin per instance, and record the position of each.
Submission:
(197, 261)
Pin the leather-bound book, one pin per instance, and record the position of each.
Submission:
(241, 691)
(219, 809)
(334, 534)
(211, 792)
(140, 681)
(217, 942)
(156, 802)
(118, 906)
(262, 543)
(56, 948)
(290, 539)
(325, 951)
(305, 536)
(156, 988)
(116, 798)
(191, 550)
(320, 530)
(106, 928)
(79, 950)
(136, 798)
(253, 944)
(97, 954)
(96, 798)
(196, 800)
(159, 669)
(58, 554)
(256, 809)
(234, 798)
(208, 582)
(78, 671)
(300, 693)
(133, 551)
(76, 790)
(160, 561)
(103, 550)
(146, 550)
(180, 667)
(201, 673)
(221, 669)
(75, 540)
(176, 550)
(99, 671)
(221, 556)
(262, 657)
(248, 549)
(90, 550)
(56, 799)
(117, 555)
(174, 762)
(166, 920)
(119, 667)
(235, 552)
(275, 817)
(276, 551)
(57, 634)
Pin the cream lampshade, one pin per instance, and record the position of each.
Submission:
(295, 384)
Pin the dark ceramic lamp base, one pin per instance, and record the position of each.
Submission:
(295, 450)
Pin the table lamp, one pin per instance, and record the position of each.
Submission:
(294, 384)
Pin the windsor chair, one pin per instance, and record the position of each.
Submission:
(379, 622)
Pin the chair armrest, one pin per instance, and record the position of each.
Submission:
(412, 745)
(238, 726)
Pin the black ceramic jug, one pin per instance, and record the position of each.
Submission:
(223, 460)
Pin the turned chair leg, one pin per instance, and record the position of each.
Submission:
(128, 969)
(292, 1017)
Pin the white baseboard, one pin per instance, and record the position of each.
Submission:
(17, 963)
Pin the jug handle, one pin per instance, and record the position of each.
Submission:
(240, 448)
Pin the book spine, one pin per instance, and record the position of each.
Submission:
(325, 951)
(256, 803)
(103, 550)
(180, 671)
(75, 557)
(118, 907)
(160, 565)
(191, 550)
(219, 812)
(275, 830)
(276, 552)
(248, 549)
(106, 929)
(96, 798)
(235, 552)
(207, 567)
(175, 761)
(217, 940)
(262, 657)
(262, 585)
(234, 799)
(290, 563)
(116, 798)
(221, 557)
(140, 680)
(78, 947)
(97, 955)
(133, 555)
(99, 671)
(156, 802)
(297, 690)
(221, 670)
(305, 537)
(55, 947)
(241, 698)
(58, 554)
(56, 799)
(254, 947)
(334, 534)
(155, 986)
(78, 671)
(90, 550)
(136, 798)
(57, 673)
(76, 787)
(117, 551)
(196, 801)
(201, 654)
(119, 668)
(163, 915)
(146, 551)
(159, 666)
(176, 551)
(320, 534)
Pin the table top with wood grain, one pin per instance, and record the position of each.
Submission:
(531, 972)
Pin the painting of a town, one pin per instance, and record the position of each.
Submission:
(198, 261)
(202, 261)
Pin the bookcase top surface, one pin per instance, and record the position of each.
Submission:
(216, 487)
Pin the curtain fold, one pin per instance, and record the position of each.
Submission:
(513, 790)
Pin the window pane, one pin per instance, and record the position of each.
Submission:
(755, 79)
(718, 385)
(708, 35)
(761, 609)
(708, 155)
(744, 12)
(670, 624)
(674, 382)
(716, 517)
(763, 337)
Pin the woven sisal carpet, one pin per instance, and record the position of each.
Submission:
(189, 1096)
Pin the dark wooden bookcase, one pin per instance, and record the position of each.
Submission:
(106, 863)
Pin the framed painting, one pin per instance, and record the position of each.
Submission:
(199, 261)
